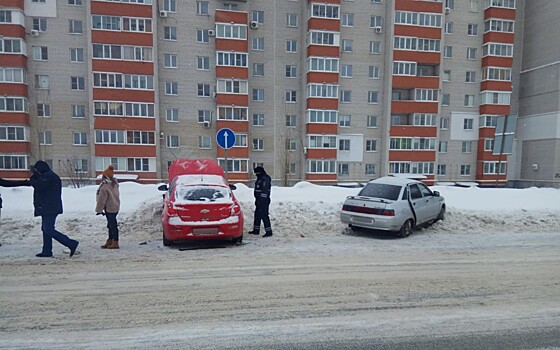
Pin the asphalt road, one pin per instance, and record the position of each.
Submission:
(452, 291)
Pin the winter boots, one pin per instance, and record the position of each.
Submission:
(110, 244)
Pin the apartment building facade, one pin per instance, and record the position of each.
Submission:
(327, 92)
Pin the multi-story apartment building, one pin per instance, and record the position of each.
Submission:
(323, 91)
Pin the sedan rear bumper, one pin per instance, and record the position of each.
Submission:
(374, 222)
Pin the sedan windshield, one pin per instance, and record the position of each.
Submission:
(202, 194)
(383, 191)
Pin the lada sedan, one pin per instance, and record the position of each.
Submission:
(393, 204)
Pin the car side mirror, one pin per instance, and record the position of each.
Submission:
(232, 187)
(436, 194)
(163, 188)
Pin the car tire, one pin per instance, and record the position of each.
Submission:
(441, 215)
(406, 229)
(166, 242)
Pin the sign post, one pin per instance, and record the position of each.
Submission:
(225, 139)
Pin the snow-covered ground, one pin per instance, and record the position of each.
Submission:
(304, 210)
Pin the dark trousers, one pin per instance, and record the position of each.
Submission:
(49, 232)
(261, 214)
(112, 226)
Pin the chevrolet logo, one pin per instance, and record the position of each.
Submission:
(204, 211)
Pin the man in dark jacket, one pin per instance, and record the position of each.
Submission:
(262, 202)
(47, 200)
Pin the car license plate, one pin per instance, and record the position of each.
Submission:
(205, 231)
(362, 220)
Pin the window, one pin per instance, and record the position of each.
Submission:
(172, 141)
(322, 64)
(489, 145)
(231, 31)
(344, 120)
(496, 73)
(346, 71)
(291, 96)
(232, 86)
(495, 97)
(324, 38)
(202, 8)
(170, 60)
(322, 116)
(234, 59)
(258, 95)
(469, 100)
(204, 115)
(40, 24)
(343, 169)
(445, 99)
(465, 169)
(12, 75)
(450, 4)
(258, 145)
(375, 21)
(172, 88)
(466, 147)
(404, 68)
(43, 110)
(257, 16)
(258, 119)
(240, 140)
(322, 141)
(291, 71)
(5, 16)
(472, 29)
(499, 25)
(446, 75)
(322, 90)
(291, 45)
(172, 114)
(75, 26)
(371, 145)
(444, 123)
(291, 20)
(80, 138)
(442, 147)
(429, 95)
(473, 6)
(347, 20)
(40, 53)
(203, 90)
(347, 45)
(77, 55)
(325, 11)
(202, 62)
(447, 51)
(234, 165)
(441, 169)
(78, 111)
(374, 72)
(42, 81)
(75, 2)
(138, 164)
(13, 163)
(492, 167)
(370, 169)
(77, 83)
(321, 166)
(499, 50)
(45, 137)
(345, 96)
(488, 121)
(203, 142)
(471, 53)
(291, 121)
(500, 3)
(170, 33)
(371, 121)
(468, 124)
(258, 44)
(170, 5)
(13, 133)
(448, 28)
(404, 43)
(375, 47)
(258, 69)
(429, 20)
(291, 144)
(373, 96)
(470, 77)
(202, 36)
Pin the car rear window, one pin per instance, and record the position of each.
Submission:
(202, 194)
(384, 191)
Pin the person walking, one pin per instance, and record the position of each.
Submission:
(108, 204)
(262, 202)
(47, 201)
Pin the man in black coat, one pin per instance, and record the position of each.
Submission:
(47, 200)
(262, 202)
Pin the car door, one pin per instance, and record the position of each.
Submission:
(432, 202)
(418, 203)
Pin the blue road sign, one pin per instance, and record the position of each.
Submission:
(225, 138)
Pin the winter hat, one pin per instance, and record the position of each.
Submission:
(41, 167)
(259, 170)
(109, 172)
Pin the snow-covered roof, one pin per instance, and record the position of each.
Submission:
(201, 179)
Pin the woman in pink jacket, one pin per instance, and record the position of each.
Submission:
(108, 204)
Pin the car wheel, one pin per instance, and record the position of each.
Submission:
(406, 229)
(167, 242)
(441, 214)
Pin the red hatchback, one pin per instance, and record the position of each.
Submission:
(199, 204)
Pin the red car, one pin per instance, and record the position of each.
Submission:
(199, 204)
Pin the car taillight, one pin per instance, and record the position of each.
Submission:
(366, 210)
(235, 210)
(170, 210)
